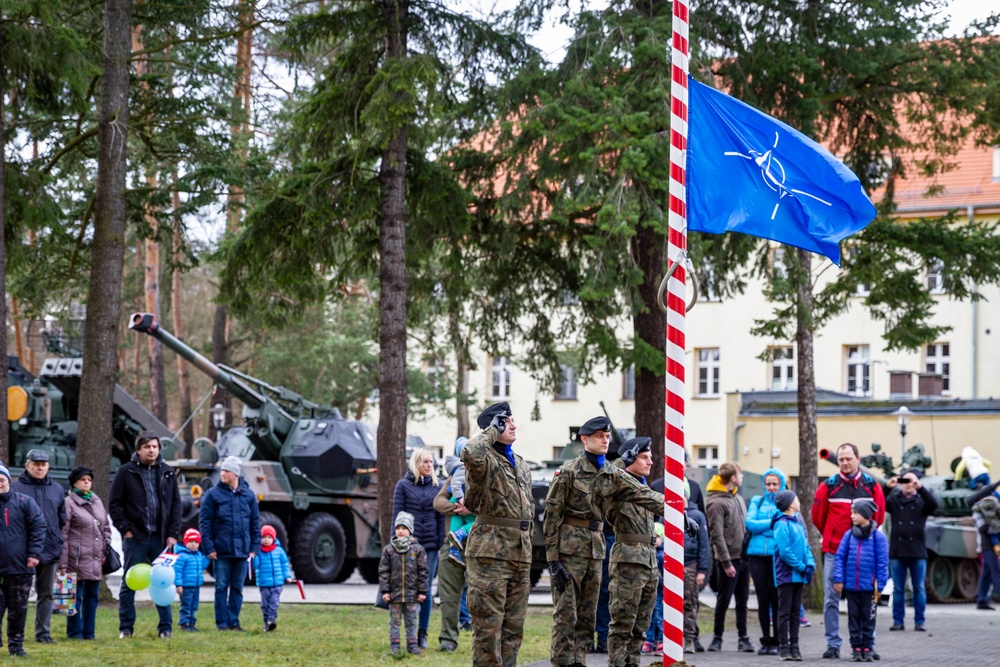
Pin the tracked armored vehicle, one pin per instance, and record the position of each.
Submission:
(313, 471)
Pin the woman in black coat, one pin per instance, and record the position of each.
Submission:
(415, 494)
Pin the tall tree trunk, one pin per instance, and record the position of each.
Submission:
(4, 430)
(151, 282)
(392, 293)
(139, 290)
(462, 364)
(650, 326)
(15, 314)
(183, 381)
(239, 130)
(100, 342)
(808, 453)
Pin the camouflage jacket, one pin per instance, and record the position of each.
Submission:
(581, 491)
(494, 489)
(629, 519)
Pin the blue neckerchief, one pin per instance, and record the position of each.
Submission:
(643, 480)
(510, 456)
(596, 459)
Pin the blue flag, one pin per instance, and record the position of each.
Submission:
(750, 173)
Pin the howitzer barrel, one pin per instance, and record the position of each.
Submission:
(831, 456)
(146, 323)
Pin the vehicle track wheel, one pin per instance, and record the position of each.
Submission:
(319, 549)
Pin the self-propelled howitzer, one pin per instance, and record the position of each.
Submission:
(313, 471)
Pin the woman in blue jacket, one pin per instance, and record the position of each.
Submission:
(760, 558)
(415, 494)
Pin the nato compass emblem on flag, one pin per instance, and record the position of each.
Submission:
(773, 173)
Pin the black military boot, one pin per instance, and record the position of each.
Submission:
(422, 639)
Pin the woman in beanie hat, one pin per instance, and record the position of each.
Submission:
(86, 535)
(403, 582)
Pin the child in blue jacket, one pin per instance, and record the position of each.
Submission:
(272, 572)
(861, 572)
(793, 567)
(189, 575)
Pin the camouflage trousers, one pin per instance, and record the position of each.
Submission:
(14, 591)
(575, 612)
(498, 600)
(400, 613)
(633, 592)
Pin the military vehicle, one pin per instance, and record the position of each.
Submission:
(42, 414)
(952, 563)
(313, 471)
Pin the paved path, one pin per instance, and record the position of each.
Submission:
(956, 633)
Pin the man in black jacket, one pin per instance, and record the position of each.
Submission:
(145, 506)
(50, 497)
(22, 539)
(910, 504)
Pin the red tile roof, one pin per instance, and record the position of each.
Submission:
(969, 183)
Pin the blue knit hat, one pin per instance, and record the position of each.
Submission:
(4, 471)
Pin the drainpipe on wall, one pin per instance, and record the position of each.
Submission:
(736, 440)
(975, 325)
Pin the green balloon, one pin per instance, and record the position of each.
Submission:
(137, 577)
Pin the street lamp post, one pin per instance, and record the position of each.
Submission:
(902, 416)
(218, 416)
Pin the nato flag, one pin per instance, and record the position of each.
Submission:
(750, 173)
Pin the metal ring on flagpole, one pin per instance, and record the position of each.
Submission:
(666, 278)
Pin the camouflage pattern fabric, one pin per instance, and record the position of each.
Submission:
(498, 601)
(398, 612)
(633, 594)
(498, 558)
(575, 610)
(691, 602)
(627, 518)
(581, 491)
(494, 489)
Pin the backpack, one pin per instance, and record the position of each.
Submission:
(989, 509)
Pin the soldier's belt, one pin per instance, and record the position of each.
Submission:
(584, 523)
(505, 523)
(635, 538)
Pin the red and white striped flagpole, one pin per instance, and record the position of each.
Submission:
(673, 459)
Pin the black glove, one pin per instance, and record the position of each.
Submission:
(691, 526)
(807, 573)
(500, 422)
(559, 576)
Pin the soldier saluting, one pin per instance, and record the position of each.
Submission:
(574, 542)
(498, 548)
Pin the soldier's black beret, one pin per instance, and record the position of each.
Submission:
(487, 415)
(631, 448)
(595, 424)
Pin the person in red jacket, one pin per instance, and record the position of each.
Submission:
(831, 514)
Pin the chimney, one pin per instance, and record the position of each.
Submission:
(900, 385)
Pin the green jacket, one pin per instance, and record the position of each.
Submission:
(630, 520)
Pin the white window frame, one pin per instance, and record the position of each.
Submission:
(500, 377)
(706, 285)
(708, 372)
(778, 265)
(935, 277)
(566, 389)
(857, 365)
(784, 363)
(628, 384)
(937, 359)
(705, 456)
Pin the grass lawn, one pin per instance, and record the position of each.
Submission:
(307, 635)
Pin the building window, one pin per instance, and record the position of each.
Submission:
(857, 370)
(779, 269)
(500, 378)
(708, 371)
(707, 290)
(568, 298)
(935, 276)
(628, 383)
(937, 359)
(706, 456)
(782, 368)
(434, 373)
(566, 391)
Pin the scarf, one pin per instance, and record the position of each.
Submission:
(402, 544)
(86, 496)
(862, 532)
(506, 450)
(268, 549)
(596, 459)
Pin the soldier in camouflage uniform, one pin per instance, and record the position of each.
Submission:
(634, 573)
(574, 542)
(498, 548)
